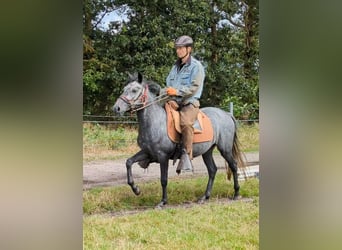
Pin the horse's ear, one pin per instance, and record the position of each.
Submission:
(140, 77)
(130, 76)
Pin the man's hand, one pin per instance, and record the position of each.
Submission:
(171, 91)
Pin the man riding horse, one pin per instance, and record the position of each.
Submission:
(185, 85)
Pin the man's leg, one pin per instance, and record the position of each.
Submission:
(188, 116)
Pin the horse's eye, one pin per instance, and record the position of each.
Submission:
(134, 91)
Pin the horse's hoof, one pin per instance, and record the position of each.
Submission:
(160, 205)
(136, 190)
(237, 197)
(202, 200)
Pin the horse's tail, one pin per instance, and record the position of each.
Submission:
(238, 155)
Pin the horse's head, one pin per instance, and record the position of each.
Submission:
(135, 94)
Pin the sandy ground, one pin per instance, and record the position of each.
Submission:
(113, 172)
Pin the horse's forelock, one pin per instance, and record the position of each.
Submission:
(153, 87)
(132, 77)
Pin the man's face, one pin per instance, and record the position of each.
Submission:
(182, 51)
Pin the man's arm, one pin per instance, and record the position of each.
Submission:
(196, 80)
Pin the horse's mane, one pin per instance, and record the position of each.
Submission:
(153, 87)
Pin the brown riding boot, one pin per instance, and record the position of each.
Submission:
(187, 137)
(188, 115)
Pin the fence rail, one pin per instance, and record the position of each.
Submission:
(129, 119)
(132, 119)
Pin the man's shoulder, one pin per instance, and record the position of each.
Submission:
(196, 62)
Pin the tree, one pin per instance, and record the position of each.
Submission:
(98, 64)
(244, 17)
(226, 41)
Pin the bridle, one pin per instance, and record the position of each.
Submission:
(140, 102)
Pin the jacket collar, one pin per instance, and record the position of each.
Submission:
(179, 61)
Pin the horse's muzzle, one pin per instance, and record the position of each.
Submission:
(116, 109)
(119, 110)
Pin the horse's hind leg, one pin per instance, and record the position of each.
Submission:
(233, 166)
(140, 156)
(212, 169)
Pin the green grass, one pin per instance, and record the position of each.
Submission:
(102, 142)
(249, 137)
(112, 199)
(210, 226)
(214, 225)
(95, 134)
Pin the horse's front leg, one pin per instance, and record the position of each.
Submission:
(164, 167)
(141, 155)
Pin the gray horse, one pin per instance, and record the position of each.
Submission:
(156, 146)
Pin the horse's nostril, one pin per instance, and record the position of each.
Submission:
(116, 109)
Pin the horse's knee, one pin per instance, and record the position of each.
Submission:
(129, 163)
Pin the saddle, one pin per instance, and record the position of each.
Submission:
(203, 130)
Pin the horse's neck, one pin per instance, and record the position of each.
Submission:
(151, 116)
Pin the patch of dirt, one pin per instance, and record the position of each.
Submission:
(108, 173)
(113, 173)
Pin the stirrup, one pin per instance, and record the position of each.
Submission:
(184, 164)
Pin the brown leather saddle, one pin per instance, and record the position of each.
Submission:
(203, 130)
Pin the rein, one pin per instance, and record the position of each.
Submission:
(157, 99)
(143, 100)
